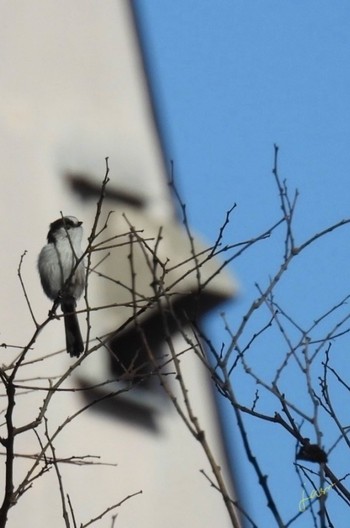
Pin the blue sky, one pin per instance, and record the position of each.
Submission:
(231, 78)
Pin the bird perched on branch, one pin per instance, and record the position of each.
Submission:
(62, 275)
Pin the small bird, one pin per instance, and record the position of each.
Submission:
(61, 278)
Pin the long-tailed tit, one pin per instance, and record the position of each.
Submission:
(61, 278)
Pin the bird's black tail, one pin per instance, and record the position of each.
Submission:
(74, 341)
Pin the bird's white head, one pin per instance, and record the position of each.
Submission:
(65, 227)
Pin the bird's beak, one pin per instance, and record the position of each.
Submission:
(80, 223)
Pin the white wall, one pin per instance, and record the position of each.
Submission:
(72, 92)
